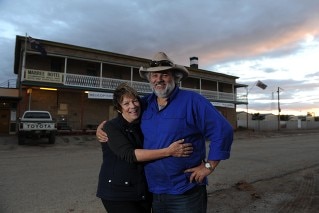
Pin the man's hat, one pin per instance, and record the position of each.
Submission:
(161, 62)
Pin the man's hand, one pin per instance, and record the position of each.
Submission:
(200, 172)
(100, 134)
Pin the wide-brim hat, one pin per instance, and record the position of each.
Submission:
(162, 62)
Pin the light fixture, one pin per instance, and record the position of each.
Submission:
(46, 88)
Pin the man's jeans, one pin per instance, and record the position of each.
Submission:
(192, 201)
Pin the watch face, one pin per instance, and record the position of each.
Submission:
(208, 166)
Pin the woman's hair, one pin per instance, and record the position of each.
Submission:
(123, 90)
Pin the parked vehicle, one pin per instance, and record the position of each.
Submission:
(35, 125)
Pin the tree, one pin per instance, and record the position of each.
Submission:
(284, 117)
(309, 114)
(258, 116)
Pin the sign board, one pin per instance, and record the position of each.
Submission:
(226, 105)
(39, 75)
(100, 95)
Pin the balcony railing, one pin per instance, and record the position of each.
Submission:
(111, 84)
(93, 82)
(103, 83)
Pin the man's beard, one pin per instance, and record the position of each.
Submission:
(166, 92)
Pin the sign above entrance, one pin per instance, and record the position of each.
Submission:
(226, 105)
(100, 95)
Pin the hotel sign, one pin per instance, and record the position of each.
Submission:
(44, 76)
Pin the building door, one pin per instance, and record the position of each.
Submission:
(4, 120)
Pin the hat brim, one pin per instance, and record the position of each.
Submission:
(143, 71)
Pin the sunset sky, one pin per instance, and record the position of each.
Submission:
(274, 41)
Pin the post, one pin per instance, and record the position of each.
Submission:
(247, 116)
(29, 92)
(247, 92)
(24, 58)
(82, 111)
(278, 109)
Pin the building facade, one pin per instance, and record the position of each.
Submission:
(76, 83)
(9, 99)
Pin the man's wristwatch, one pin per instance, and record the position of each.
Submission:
(208, 166)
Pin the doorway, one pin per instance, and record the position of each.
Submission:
(4, 120)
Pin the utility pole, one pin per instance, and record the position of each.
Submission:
(279, 110)
(247, 91)
(247, 113)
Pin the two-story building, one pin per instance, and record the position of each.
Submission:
(76, 83)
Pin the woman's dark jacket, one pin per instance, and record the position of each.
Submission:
(121, 176)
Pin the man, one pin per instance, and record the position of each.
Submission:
(179, 184)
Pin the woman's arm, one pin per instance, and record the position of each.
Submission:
(123, 148)
(176, 149)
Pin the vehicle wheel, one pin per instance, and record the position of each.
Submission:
(21, 140)
(52, 138)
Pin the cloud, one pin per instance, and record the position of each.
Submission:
(313, 75)
(254, 40)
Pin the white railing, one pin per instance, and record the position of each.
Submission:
(141, 86)
(93, 82)
(103, 83)
(82, 81)
(111, 84)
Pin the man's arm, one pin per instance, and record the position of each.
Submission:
(100, 134)
(215, 127)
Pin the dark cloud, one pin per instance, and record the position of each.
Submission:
(220, 33)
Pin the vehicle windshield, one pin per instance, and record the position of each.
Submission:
(37, 115)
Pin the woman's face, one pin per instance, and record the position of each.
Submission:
(131, 108)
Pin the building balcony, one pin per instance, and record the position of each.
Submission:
(110, 84)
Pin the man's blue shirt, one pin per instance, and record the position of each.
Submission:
(189, 116)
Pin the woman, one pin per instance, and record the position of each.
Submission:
(122, 185)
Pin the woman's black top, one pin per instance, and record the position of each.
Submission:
(121, 176)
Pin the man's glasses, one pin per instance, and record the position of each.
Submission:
(161, 63)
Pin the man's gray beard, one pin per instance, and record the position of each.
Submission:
(166, 92)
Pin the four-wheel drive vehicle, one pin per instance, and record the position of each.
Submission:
(37, 124)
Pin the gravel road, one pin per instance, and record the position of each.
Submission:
(267, 172)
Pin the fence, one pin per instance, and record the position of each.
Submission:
(260, 125)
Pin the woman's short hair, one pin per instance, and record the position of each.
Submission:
(123, 90)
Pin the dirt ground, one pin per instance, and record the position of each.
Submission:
(68, 184)
(293, 192)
